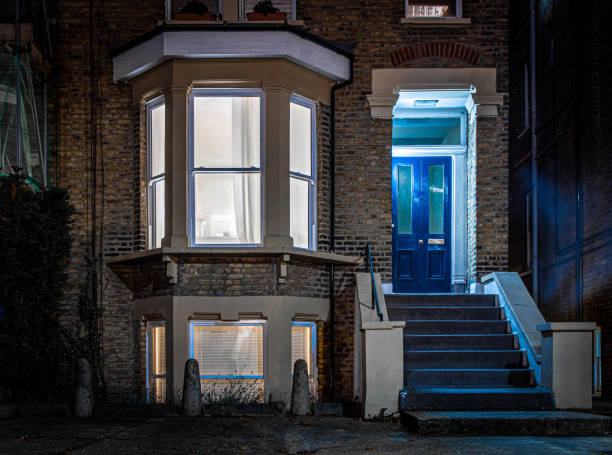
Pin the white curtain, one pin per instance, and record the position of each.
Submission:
(245, 145)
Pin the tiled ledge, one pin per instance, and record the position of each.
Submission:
(305, 255)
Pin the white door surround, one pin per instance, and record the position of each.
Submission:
(477, 87)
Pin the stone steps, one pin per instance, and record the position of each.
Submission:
(523, 377)
(503, 359)
(473, 341)
(491, 423)
(479, 313)
(455, 327)
(460, 353)
(440, 300)
(475, 398)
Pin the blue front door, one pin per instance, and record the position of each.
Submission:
(421, 224)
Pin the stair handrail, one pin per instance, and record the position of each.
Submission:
(375, 302)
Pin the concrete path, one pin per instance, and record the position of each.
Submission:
(261, 435)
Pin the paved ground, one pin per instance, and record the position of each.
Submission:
(269, 435)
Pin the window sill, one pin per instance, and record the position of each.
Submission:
(139, 257)
(436, 21)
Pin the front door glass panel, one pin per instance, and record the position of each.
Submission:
(404, 194)
(436, 199)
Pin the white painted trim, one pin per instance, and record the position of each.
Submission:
(206, 44)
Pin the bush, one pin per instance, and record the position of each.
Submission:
(35, 244)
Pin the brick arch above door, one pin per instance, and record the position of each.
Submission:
(441, 49)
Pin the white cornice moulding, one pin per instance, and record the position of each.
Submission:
(387, 83)
(208, 44)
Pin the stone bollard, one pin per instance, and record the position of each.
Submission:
(84, 400)
(301, 403)
(192, 395)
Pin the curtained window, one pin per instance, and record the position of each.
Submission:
(302, 172)
(433, 8)
(156, 137)
(225, 163)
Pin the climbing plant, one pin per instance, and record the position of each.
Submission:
(35, 240)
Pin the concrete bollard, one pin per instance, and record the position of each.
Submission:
(301, 403)
(192, 395)
(84, 400)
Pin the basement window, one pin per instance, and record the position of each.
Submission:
(304, 346)
(302, 172)
(225, 143)
(156, 362)
(231, 359)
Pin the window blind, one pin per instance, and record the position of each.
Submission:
(229, 350)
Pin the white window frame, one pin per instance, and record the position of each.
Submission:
(193, 171)
(256, 322)
(153, 179)
(458, 9)
(150, 325)
(312, 179)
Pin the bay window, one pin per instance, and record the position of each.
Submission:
(302, 164)
(156, 137)
(225, 138)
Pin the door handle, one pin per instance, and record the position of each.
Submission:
(420, 242)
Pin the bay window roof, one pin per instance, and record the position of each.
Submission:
(212, 41)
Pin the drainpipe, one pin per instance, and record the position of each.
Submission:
(534, 151)
(332, 220)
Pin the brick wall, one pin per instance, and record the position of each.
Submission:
(90, 111)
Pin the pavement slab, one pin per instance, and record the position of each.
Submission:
(262, 435)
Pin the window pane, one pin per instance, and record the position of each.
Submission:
(160, 191)
(229, 350)
(300, 227)
(158, 138)
(226, 131)
(404, 199)
(427, 131)
(301, 346)
(436, 199)
(301, 140)
(429, 8)
(227, 208)
(157, 364)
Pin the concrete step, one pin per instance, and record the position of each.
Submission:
(402, 313)
(440, 300)
(475, 398)
(466, 359)
(469, 377)
(457, 342)
(456, 327)
(536, 423)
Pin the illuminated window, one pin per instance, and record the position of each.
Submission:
(429, 8)
(156, 137)
(304, 346)
(302, 172)
(231, 358)
(225, 167)
(156, 362)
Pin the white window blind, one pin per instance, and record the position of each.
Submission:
(228, 350)
(303, 337)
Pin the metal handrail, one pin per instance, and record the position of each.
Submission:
(375, 303)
